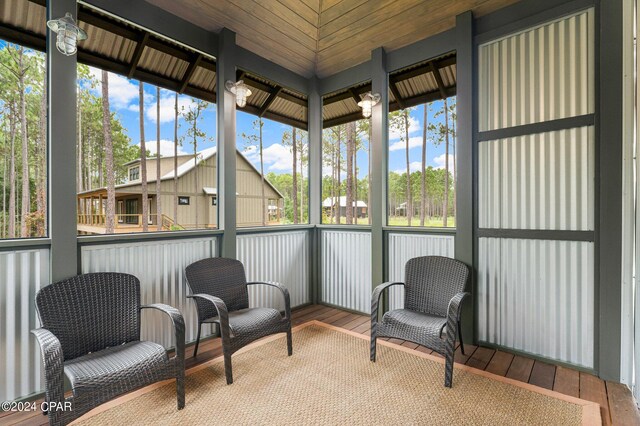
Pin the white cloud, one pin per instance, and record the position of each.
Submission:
(167, 107)
(414, 127)
(121, 91)
(166, 148)
(440, 161)
(414, 166)
(414, 142)
(276, 157)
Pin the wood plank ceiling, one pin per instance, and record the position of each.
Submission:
(323, 37)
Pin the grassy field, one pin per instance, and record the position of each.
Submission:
(402, 221)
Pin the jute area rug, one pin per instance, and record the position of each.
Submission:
(329, 380)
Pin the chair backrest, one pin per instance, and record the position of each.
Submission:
(431, 282)
(91, 312)
(220, 277)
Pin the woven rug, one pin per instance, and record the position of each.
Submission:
(330, 380)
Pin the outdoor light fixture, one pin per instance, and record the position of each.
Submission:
(69, 33)
(368, 101)
(241, 91)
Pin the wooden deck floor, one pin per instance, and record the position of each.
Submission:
(616, 402)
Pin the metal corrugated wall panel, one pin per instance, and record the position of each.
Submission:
(537, 296)
(345, 266)
(541, 181)
(540, 74)
(282, 257)
(403, 247)
(22, 274)
(159, 265)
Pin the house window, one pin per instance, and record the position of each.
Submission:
(134, 174)
(183, 201)
(214, 200)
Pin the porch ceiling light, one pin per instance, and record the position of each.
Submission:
(368, 101)
(69, 33)
(241, 91)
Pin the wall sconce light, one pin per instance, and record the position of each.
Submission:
(368, 101)
(69, 33)
(241, 91)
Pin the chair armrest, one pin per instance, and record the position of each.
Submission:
(285, 294)
(221, 308)
(455, 304)
(178, 325)
(375, 299)
(53, 359)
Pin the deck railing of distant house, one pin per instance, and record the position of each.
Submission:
(125, 220)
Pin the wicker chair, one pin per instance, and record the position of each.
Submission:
(219, 288)
(434, 288)
(91, 333)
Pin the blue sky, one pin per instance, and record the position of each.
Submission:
(123, 94)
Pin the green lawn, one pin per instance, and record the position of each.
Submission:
(402, 221)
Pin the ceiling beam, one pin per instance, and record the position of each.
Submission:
(267, 103)
(343, 119)
(346, 94)
(137, 54)
(396, 94)
(422, 69)
(422, 99)
(250, 109)
(439, 82)
(189, 73)
(256, 84)
(23, 37)
(354, 95)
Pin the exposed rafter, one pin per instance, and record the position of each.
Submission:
(396, 94)
(422, 69)
(137, 54)
(436, 74)
(250, 81)
(189, 73)
(354, 95)
(273, 95)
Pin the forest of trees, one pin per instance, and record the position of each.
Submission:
(23, 144)
(417, 201)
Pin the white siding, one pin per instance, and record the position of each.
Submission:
(282, 257)
(22, 274)
(537, 296)
(345, 266)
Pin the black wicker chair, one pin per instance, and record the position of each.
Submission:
(434, 291)
(91, 333)
(219, 288)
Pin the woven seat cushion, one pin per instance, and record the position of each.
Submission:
(252, 321)
(404, 318)
(118, 369)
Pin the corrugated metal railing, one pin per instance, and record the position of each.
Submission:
(537, 296)
(403, 247)
(159, 265)
(22, 274)
(282, 257)
(345, 266)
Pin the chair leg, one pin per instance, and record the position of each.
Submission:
(373, 346)
(460, 338)
(448, 372)
(195, 351)
(180, 388)
(289, 343)
(227, 367)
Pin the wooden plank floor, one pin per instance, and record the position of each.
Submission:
(616, 402)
